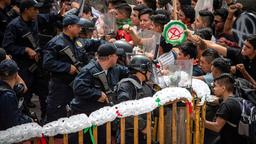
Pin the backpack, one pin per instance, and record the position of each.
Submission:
(247, 99)
(247, 123)
(245, 89)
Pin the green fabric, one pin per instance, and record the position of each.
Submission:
(90, 131)
(158, 102)
(121, 23)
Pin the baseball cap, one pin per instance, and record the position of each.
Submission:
(29, 3)
(8, 67)
(106, 50)
(71, 19)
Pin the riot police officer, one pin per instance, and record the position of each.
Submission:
(90, 86)
(63, 60)
(21, 40)
(135, 87)
(9, 111)
(85, 43)
(124, 50)
(87, 29)
(7, 13)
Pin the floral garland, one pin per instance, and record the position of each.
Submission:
(106, 114)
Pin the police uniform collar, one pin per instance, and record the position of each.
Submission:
(98, 65)
(26, 22)
(67, 37)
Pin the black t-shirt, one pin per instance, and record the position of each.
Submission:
(230, 111)
(237, 58)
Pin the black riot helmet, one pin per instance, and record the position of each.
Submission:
(123, 49)
(140, 63)
(121, 44)
(87, 25)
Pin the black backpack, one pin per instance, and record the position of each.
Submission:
(247, 123)
(247, 99)
(245, 89)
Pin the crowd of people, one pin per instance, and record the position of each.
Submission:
(73, 55)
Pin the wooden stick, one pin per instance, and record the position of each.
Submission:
(136, 130)
(35, 140)
(202, 128)
(155, 130)
(188, 125)
(174, 4)
(149, 128)
(108, 138)
(197, 125)
(161, 125)
(51, 140)
(65, 139)
(122, 130)
(174, 123)
(81, 137)
(95, 134)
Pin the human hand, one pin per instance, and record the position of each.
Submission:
(234, 7)
(241, 68)
(233, 69)
(73, 70)
(31, 53)
(103, 98)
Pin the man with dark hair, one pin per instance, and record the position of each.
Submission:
(205, 33)
(159, 20)
(135, 15)
(228, 113)
(112, 3)
(220, 16)
(145, 21)
(61, 66)
(244, 60)
(188, 51)
(9, 111)
(90, 90)
(186, 14)
(205, 19)
(87, 12)
(123, 9)
(220, 65)
(206, 59)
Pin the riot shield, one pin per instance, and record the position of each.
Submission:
(150, 42)
(178, 74)
(106, 26)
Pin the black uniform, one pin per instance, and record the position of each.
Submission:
(58, 64)
(128, 91)
(87, 90)
(15, 41)
(6, 15)
(10, 115)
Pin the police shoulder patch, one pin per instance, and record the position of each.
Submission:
(79, 44)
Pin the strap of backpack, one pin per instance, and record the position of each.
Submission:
(137, 86)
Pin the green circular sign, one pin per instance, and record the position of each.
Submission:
(174, 32)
